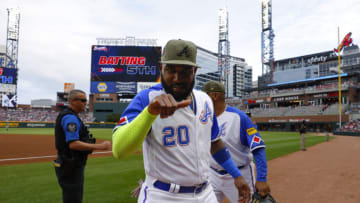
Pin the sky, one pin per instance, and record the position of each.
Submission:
(56, 36)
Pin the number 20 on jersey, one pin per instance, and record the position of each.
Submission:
(175, 136)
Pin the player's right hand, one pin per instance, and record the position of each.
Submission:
(106, 145)
(165, 105)
(262, 187)
(243, 189)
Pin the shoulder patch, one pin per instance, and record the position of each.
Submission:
(123, 120)
(71, 127)
(251, 131)
(257, 139)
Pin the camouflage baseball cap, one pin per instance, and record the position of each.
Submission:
(213, 86)
(180, 52)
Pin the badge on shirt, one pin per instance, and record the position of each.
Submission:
(71, 127)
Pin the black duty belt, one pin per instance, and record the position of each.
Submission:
(223, 172)
(180, 189)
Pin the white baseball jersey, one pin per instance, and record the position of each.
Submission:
(240, 136)
(177, 149)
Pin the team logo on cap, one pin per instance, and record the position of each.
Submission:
(184, 51)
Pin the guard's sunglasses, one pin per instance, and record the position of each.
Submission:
(82, 100)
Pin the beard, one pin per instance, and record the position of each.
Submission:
(178, 96)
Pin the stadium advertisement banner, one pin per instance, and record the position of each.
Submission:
(9, 124)
(68, 87)
(36, 125)
(102, 87)
(8, 75)
(309, 59)
(8, 101)
(126, 87)
(125, 63)
(8, 88)
(145, 85)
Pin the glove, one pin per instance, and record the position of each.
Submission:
(257, 198)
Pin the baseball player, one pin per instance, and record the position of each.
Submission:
(243, 141)
(178, 128)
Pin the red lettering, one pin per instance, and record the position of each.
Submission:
(102, 60)
(110, 60)
(117, 58)
(120, 60)
(141, 60)
(132, 61)
(124, 59)
(1, 71)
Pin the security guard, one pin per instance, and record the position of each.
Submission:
(73, 143)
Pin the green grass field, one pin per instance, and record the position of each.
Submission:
(106, 179)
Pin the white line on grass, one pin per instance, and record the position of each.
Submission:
(42, 157)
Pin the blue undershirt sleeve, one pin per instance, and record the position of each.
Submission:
(223, 158)
(261, 164)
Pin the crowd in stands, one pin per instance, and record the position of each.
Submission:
(309, 110)
(44, 115)
(352, 126)
(354, 108)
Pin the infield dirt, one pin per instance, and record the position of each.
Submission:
(16, 149)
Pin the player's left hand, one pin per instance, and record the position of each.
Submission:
(243, 188)
(262, 187)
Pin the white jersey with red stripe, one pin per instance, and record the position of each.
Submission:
(177, 149)
(240, 136)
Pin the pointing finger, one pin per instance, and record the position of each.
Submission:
(183, 103)
(172, 100)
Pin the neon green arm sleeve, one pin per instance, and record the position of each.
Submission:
(128, 138)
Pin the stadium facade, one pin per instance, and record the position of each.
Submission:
(316, 65)
(307, 88)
